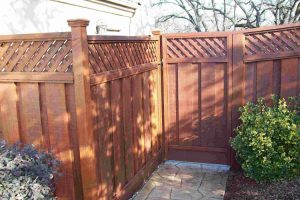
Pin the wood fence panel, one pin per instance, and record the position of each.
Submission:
(91, 101)
(41, 118)
(234, 68)
(123, 112)
(196, 102)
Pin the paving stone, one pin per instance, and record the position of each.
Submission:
(161, 192)
(176, 180)
(186, 195)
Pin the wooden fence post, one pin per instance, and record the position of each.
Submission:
(238, 82)
(86, 142)
(157, 35)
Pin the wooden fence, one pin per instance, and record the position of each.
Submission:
(208, 76)
(93, 101)
(105, 107)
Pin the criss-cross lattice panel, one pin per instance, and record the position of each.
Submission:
(36, 56)
(272, 42)
(106, 56)
(197, 47)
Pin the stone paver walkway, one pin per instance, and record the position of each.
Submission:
(176, 180)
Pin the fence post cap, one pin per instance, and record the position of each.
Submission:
(156, 31)
(78, 22)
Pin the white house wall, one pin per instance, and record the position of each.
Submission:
(32, 16)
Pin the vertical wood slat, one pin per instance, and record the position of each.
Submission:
(207, 104)
(30, 116)
(128, 128)
(153, 86)
(171, 122)
(289, 77)
(188, 104)
(250, 82)
(118, 137)
(59, 131)
(220, 101)
(138, 121)
(265, 79)
(146, 111)
(103, 134)
(9, 112)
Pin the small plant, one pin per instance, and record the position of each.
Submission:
(267, 143)
(26, 173)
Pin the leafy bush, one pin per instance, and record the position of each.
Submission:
(26, 173)
(267, 143)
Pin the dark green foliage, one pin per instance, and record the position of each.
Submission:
(267, 143)
(26, 173)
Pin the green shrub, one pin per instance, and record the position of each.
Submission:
(267, 143)
(26, 173)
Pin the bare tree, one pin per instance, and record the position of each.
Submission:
(187, 10)
(221, 15)
(284, 11)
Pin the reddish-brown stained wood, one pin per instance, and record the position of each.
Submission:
(238, 76)
(146, 111)
(208, 134)
(264, 79)
(289, 73)
(108, 131)
(30, 116)
(103, 133)
(188, 104)
(171, 122)
(153, 86)
(128, 128)
(118, 137)
(221, 139)
(71, 110)
(57, 119)
(138, 128)
(250, 82)
(276, 77)
(87, 144)
(9, 112)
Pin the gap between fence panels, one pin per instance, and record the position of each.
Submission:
(111, 112)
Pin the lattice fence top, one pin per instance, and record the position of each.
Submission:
(197, 47)
(106, 56)
(272, 42)
(36, 55)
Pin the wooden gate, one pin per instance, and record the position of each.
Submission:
(197, 70)
(208, 76)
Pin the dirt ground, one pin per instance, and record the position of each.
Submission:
(240, 187)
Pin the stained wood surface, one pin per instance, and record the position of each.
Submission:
(110, 111)
(208, 76)
(126, 126)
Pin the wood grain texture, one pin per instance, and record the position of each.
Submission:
(9, 112)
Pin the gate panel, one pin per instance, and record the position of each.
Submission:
(196, 96)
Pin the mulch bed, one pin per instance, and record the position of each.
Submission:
(240, 187)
